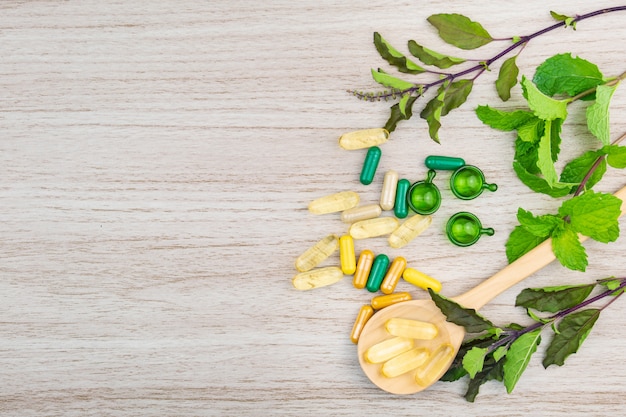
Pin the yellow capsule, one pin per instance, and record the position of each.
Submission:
(413, 329)
(438, 363)
(393, 275)
(405, 362)
(365, 313)
(420, 279)
(387, 349)
(388, 193)
(356, 214)
(409, 230)
(316, 278)
(363, 267)
(382, 301)
(317, 253)
(346, 255)
(335, 202)
(365, 138)
(373, 227)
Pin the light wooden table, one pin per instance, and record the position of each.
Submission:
(156, 162)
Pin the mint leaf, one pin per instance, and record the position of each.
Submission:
(573, 329)
(544, 107)
(568, 249)
(616, 156)
(532, 130)
(518, 356)
(598, 114)
(545, 162)
(394, 57)
(520, 242)
(576, 170)
(430, 57)
(594, 215)
(466, 317)
(526, 156)
(387, 80)
(503, 120)
(540, 226)
(507, 78)
(553, 299)
(460, 31)
(563, 74)
(473, 360)
(537, 184)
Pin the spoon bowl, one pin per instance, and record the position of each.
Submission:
(449, 333)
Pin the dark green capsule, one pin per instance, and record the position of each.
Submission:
(377, 273)
(401, 209)
(370, 165)
(447, 163)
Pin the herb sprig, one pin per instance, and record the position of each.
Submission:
(453, 88)
(503, 353)
(558, 82)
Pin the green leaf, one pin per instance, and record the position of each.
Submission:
(568, 249)
(491, 371)
(507, 78)
(432, 113)
(576, 170)
(532, 130)
(503, 120)
(553, 299)
(598, 114)
(394, 57)
(563, 74)
(397, 115)
(526, 156)
(387, 80)
(520, 242)
(460, 31)
(573, 330)
(537, 184)
(430, 57)
(540, 226)
(500, 352)
(610, 284)
(559, 17)
(544, 107)
(403, 102)
(594, 215)
(616, 156)
(466, 317)
(545, 162)
(518, 357)
(473, 360)
(455, 95)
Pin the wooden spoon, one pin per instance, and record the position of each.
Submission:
(449, 333)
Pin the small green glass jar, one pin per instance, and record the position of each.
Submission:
(464, 229)
(424, 196)
(468, 182)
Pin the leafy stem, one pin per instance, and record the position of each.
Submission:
(463, 33)
(503, 353)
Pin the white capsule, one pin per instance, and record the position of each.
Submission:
(373, 227)
(356, 214)
(388, 193)
(362, 139)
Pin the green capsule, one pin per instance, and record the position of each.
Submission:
(447, 163)
(370, 165)
(400, 209)
(377, 273)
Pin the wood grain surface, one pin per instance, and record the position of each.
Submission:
(156, 162)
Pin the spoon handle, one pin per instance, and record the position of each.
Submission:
(517, 271)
